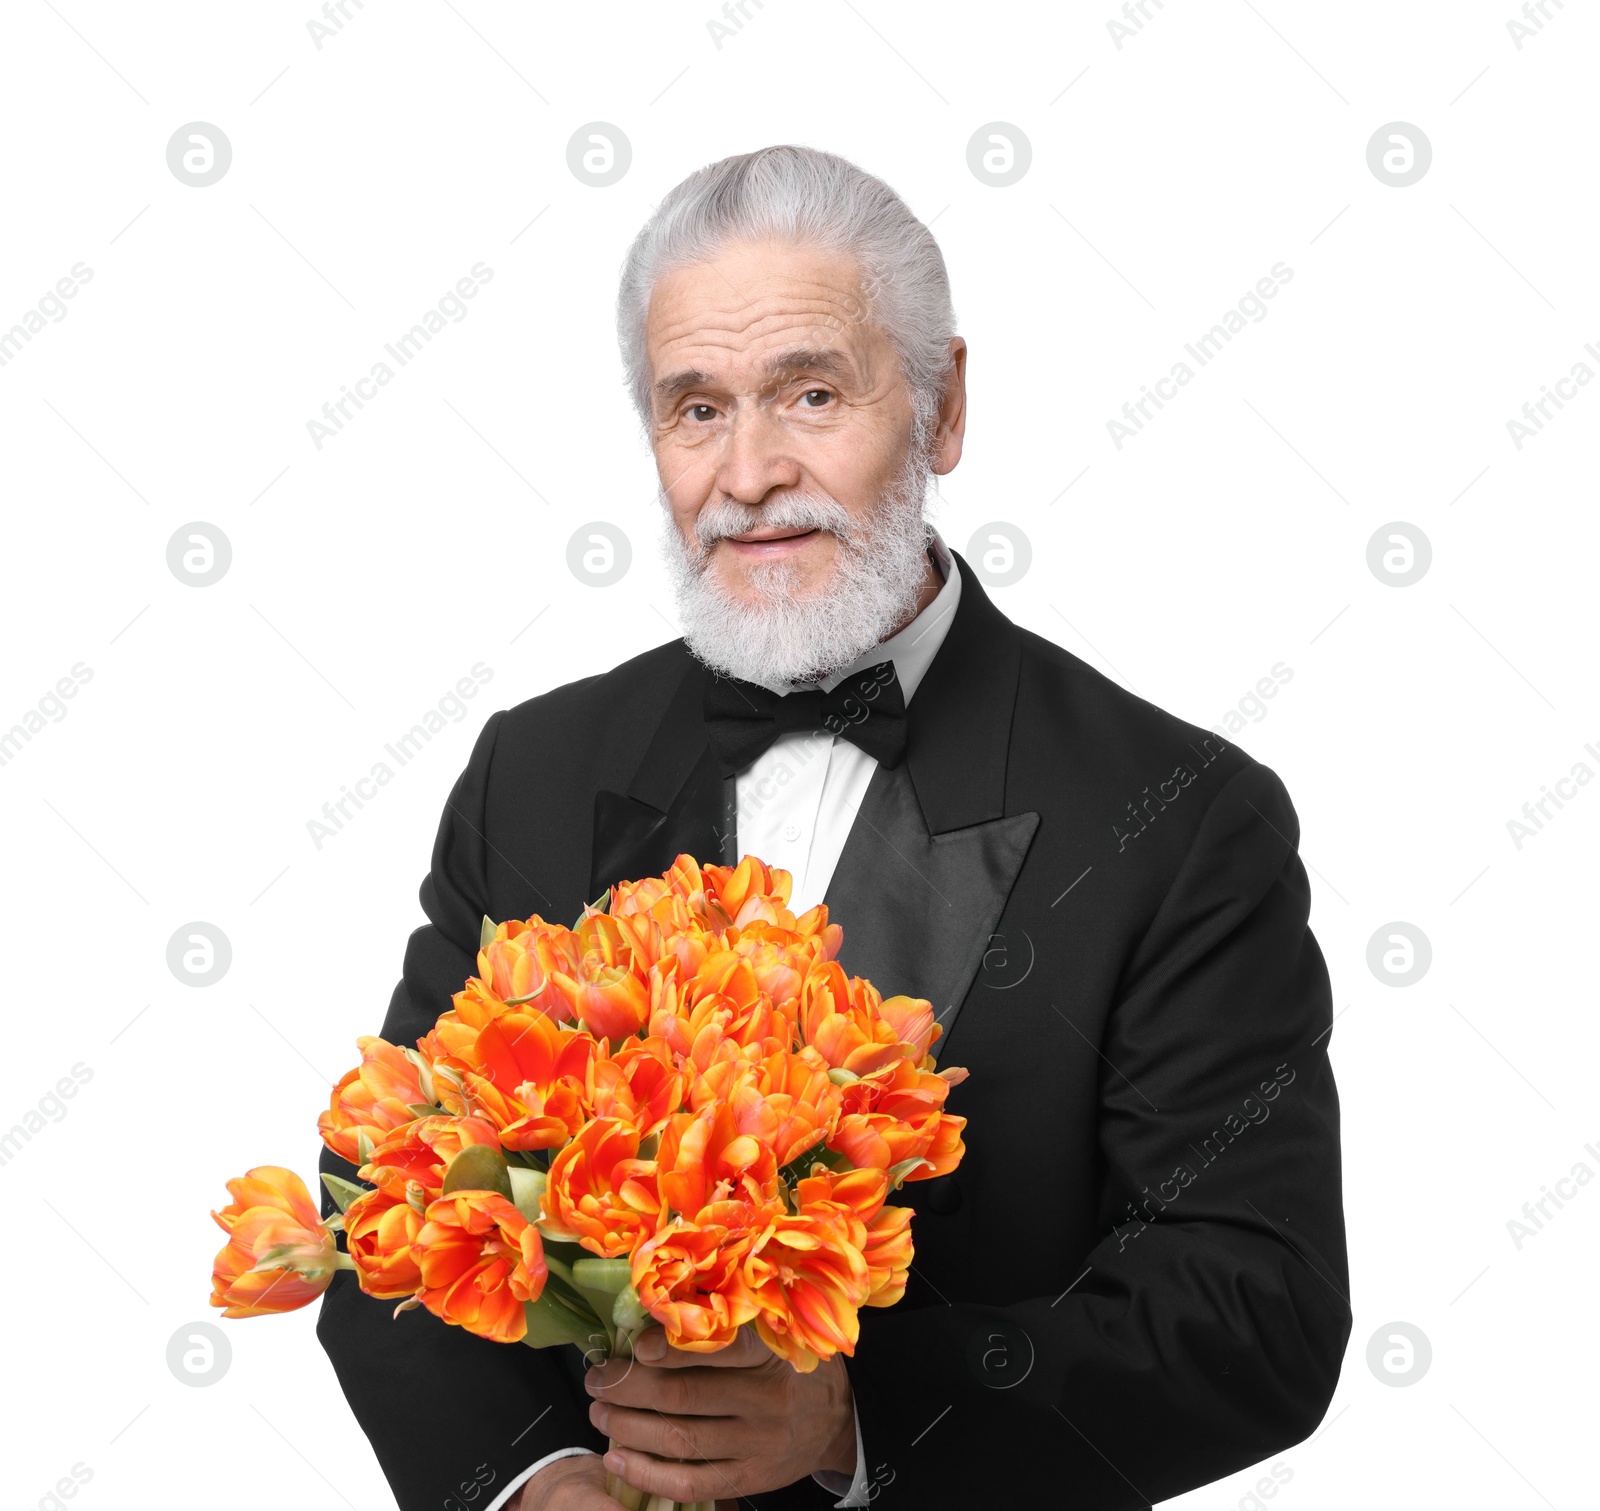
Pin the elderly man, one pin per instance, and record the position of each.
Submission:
(1136, 1281)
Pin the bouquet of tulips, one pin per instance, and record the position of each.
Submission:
(679, 1110)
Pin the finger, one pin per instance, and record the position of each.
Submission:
(573, 1484)
(582, 1496)
(626, 1382)
(676, 1391)
(681, 1482)
(747, 1349)
(677, 1437)
(686, 1392)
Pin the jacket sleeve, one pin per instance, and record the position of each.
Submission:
(1204, 1331)
(452, 1417)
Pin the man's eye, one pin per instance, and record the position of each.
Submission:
(820, 394)
(701, 412)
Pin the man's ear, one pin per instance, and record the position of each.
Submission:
(952, 426)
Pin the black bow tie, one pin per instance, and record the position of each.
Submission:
(867, 708)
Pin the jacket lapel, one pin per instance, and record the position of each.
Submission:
(932, 855)
(677, 802)
(919, 909)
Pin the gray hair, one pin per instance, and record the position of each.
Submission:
(801, 195)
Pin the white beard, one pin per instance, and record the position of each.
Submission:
(880, 567)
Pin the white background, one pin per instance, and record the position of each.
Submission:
(1230, 535)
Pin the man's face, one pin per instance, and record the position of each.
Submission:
(768, 383)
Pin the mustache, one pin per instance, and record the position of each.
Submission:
(800, 511)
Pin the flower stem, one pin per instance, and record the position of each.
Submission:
(619, 1490)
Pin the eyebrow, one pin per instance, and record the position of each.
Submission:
(785, 364)
(818, 359)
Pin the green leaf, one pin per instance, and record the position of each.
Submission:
(800, 1166)
(551, 1323)
(571, 1297)
(422, 1109)
(478, 1168)
(601, 1303)
(607, 1276)
(558, 1257)
(424, 1073)
(558, 1268)
(842, 1077)
(486, 932)
(527, 1190)
(628, 1311)
(550, 1233)
(343, 1191)
(593, 907)
(898, 1173)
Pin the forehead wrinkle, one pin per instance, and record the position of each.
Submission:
(816, 294)
(797, 358)
(802, 313)
(745, 321)
(853, 369)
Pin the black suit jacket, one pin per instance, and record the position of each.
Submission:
(1136, 1281)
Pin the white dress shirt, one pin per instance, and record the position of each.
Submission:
(796, 804)
(798, 800)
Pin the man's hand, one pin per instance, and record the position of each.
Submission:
(749, 1420)
(577, 1483)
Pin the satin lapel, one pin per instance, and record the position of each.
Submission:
(919, 909)
(932, 855)
(677, 802)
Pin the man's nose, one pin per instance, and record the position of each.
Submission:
(755, 457)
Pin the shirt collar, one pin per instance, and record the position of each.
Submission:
(913, 647)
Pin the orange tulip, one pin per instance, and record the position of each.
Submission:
(881, 1141)
(422, 1151)
(638, 1085)
(750, 891)
(911, 1018)
(479, 1259)
(725, 988)
(808, 1278)
(379, 1230)
(785, 1100)
(897, 1114)
(945, 1148)
(526, 1074)
(854, 1029)
(888, 1253)
(519, 960)
(887, 1246)
(371, 1100)
(780, 958)
(776, 963)
(516, 965)
(607, 988)
(856, 1193)
(688, 1275)
(457, 1030)
(704, 1157)
(601, 1192)
(676, 899)
(813, 927)
(278, 1257)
